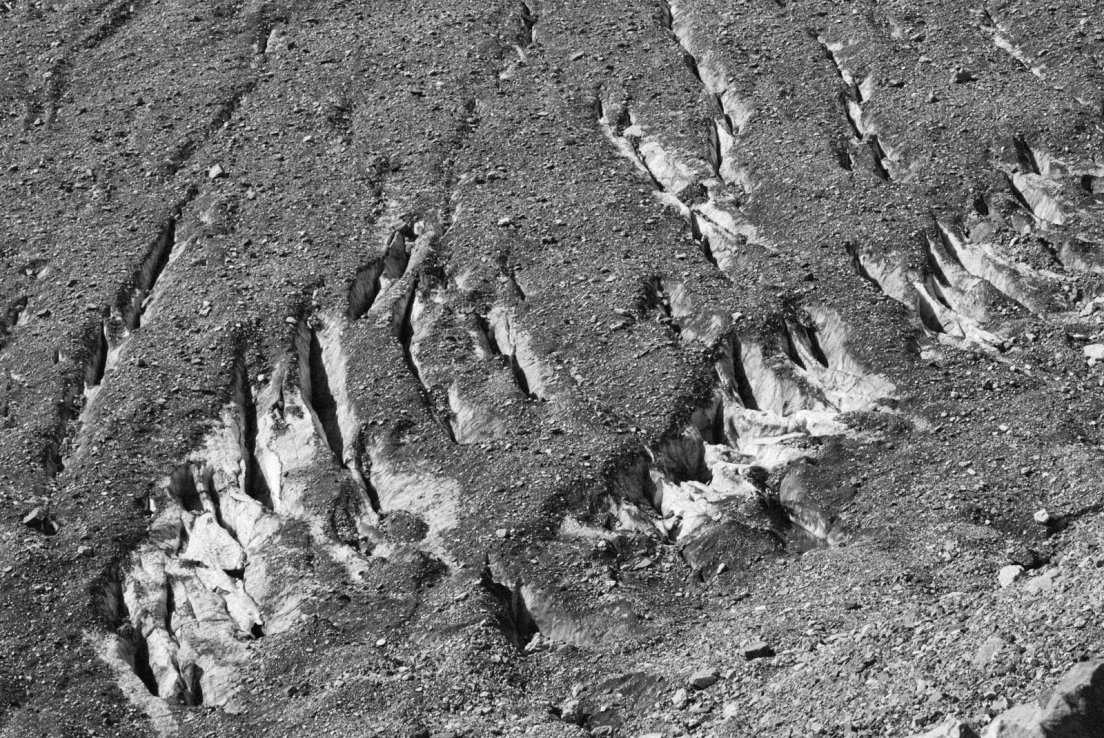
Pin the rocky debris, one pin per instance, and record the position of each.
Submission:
(779, 193)
(950, 728)
(1074, 709)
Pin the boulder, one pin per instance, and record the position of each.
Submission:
(704, 678)
(212, 545)
(757, 650)
(1075, 709)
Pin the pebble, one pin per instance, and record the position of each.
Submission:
(215, 172)
(1042, 517)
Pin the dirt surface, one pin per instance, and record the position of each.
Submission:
(547, 368)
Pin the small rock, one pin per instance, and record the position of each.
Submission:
(40, 520)
(988, 651)
(233, 707)
(680, 698)
(1042, 583)
(84, 551)
(1042, 517)
(215, 172)
(704, 678)
(571, 711)
(502, 533)
(1009, 574)
(757, 650)
(536, 643)
(1094, 351)
(950, 728)
(961, 76)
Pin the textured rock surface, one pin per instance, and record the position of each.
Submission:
(499, 367)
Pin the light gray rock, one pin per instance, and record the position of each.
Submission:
(1094, 351)
(1009, 574)
(210, 544)
(704, 678)
(988, 650)
(1042, 583)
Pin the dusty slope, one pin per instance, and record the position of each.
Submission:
(347, 348)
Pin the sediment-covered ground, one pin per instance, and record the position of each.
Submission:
(522, 367)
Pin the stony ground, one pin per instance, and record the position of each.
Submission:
(547, 368)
